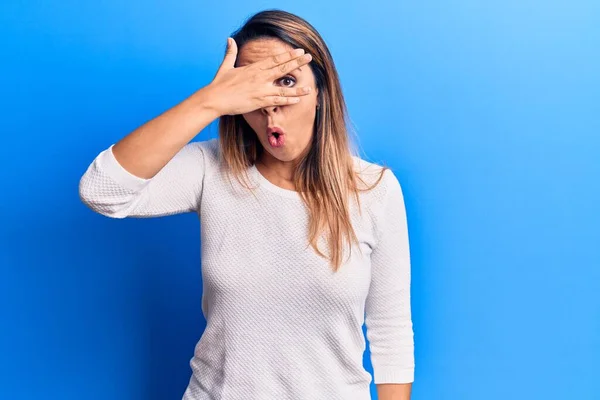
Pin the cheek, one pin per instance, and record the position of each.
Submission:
(253, 119)
(305, 109)
(305, 115)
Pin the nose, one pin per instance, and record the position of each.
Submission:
(270, 110)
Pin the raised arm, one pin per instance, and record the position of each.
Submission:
(154, 170)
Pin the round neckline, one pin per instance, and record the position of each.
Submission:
(270, 186)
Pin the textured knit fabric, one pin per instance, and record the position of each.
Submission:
(281, 324)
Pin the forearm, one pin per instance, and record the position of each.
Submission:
(147, 149)
(394, 391)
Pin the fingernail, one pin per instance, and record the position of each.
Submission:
(298, 52)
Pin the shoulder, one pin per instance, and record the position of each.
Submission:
(383, 180)
(209, 150)
(384, 202)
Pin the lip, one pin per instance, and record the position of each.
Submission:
(275, 137)
(275, 129)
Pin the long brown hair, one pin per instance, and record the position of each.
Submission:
(326, 174)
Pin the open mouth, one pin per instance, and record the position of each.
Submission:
(275, 136)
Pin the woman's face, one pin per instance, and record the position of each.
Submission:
(295, 120)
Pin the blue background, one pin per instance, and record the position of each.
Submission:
(488, 112)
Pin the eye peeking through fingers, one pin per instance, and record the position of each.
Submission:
(287, 80)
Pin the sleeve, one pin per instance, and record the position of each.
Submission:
(387, 309)
(109, 189)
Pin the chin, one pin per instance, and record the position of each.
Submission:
(288, 153)
(282, 155)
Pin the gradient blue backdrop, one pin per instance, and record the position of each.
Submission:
(488, 112)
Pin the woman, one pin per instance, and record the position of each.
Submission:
(307, 243)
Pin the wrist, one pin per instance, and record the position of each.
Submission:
(204, 101)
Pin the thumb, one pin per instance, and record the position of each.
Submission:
(230, 56)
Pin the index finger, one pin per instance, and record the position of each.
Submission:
(279, 59)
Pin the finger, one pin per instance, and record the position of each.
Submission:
(280, 100)
(291, 92)
(278, 59)
(285, 68)
(230, 56)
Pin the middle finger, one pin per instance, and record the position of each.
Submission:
(285, 68)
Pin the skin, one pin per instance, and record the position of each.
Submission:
(394, 391)
(296, 120)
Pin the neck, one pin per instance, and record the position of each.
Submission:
(280, 173)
